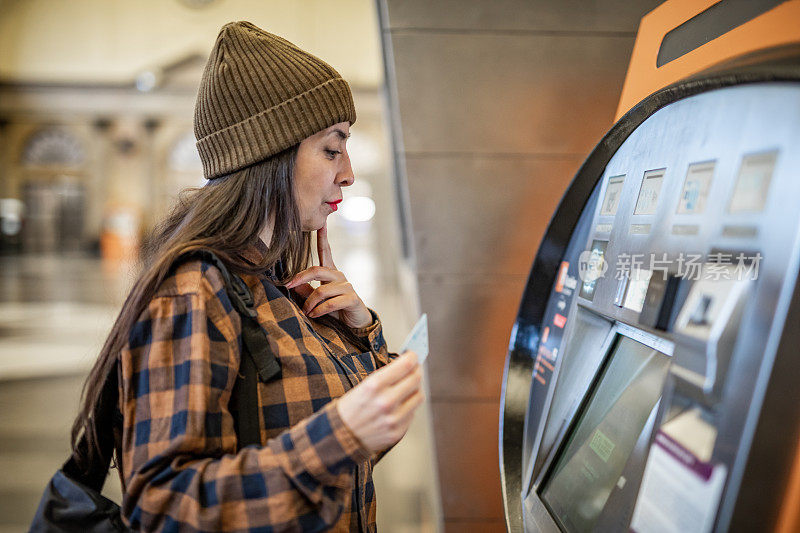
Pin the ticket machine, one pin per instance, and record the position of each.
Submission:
(653, 375)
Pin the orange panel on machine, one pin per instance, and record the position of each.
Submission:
(789, 517)
(778, 26)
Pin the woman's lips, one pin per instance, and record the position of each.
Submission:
(334, 205)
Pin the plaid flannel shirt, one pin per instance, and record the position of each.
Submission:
(180, 464)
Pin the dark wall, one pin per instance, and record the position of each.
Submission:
(495, 105)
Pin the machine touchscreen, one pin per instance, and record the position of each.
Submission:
(597, 447)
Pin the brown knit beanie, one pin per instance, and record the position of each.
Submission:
(259, 95)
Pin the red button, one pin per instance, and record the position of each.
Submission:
(559, 320)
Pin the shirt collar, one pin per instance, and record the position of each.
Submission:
(255, 253)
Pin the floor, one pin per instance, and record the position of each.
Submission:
(55, 311)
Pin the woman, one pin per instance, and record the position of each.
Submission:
(271, 123)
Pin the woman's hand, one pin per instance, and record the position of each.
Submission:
(335, 295)
(379, 409)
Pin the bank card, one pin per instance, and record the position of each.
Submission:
(417, 340)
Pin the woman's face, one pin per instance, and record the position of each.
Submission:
(321, 170)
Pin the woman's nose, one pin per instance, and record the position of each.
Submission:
(345, 176)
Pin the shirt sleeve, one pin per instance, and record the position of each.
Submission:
(180, 459)
(372, 335)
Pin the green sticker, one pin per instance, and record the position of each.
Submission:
(601, 445)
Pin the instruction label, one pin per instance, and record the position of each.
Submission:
(679, 492)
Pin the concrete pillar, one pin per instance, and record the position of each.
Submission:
(495, 105)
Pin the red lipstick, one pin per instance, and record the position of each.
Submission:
(334, 205)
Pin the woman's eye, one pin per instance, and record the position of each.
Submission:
(332, 153)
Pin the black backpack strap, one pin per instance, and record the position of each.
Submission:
(257, 361)
(253, 335)
(244, 405)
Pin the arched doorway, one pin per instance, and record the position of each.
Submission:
(53, 191)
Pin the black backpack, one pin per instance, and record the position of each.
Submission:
(72, 501)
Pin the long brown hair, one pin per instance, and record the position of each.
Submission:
(225, 217)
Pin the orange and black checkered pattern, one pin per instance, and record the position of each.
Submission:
(180, 463)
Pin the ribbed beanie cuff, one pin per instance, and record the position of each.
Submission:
(260, 95)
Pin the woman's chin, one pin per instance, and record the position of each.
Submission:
(314, 226)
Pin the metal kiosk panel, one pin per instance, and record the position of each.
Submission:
(651, 350)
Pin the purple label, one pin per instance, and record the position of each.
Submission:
(684, 456)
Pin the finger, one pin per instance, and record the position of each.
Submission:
(407, 408)
(324, 292)
(316, 273)
(304, 290)
(406, 387)
(395, 371)
(333, 304)
(324, 248)
(404, 422)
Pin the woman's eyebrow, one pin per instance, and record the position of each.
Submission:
(342, 135)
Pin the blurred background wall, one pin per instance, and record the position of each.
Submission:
(494, 107)
(97, 100)
(96, 141)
